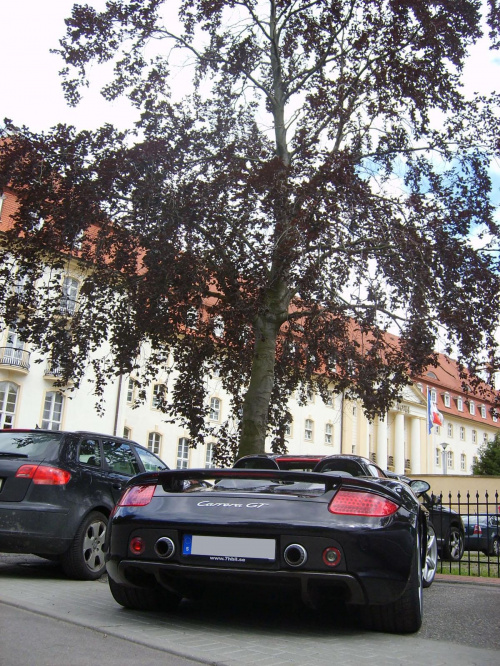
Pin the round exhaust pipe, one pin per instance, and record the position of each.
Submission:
(164, 548)
(295, 555)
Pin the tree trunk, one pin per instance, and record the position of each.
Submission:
(257, 399)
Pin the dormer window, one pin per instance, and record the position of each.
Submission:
(483, 411)
(460, 404)
(447, 400)
(472, 407)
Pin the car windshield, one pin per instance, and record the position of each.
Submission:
(30, 444)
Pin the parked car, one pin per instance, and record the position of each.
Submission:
(349, 465)
(482, 533)
(331, 538)
(57, 490)
(447, 524)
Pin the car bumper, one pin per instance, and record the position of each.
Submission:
(26, 528)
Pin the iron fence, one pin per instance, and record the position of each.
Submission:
(473, 550)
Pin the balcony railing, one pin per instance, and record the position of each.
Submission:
(15, 358)
(52, 369)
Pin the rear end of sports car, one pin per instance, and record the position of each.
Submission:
(327, 537)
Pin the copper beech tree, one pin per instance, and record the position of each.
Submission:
(318, 184)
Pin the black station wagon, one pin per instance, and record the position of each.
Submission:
(57, 491)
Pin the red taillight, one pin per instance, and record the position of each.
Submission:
(43, 475)
(137, 545)
(331, 556)
(477, 529)
(360, 503)
(137, 496)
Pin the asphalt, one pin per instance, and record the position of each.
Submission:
(46, 619)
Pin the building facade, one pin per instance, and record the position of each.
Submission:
(400, 441)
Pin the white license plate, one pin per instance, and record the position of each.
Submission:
(229, 548)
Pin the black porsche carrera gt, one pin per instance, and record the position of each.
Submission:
(327, 536)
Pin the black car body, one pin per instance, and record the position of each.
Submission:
(482, 533)
(348, 465)
(327, 537)
(57, 490)
(447, 524)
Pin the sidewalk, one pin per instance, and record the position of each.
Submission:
(220, 633)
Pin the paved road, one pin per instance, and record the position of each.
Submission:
(46, 619)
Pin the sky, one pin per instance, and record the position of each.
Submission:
(31, 92)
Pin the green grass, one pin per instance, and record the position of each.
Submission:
(472, 564)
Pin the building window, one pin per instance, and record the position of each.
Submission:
(154, 442)
(308, 430)
(209, 455)
(159, 391)
(127, 432)
(463, 462)
(450, 430)
(192, 318)
(328, 434)
(288, 430)
(214, 409)
(460, 404)
(449, 459)
(438, 458)
(483, 411)
(495, 417)
(218, 327)
(447, 400)
(8, 401)
(69, 295)
(183, 453)
(434, 396)
(130, 391)
(474, 436)
(462, 434)
(52, 411)
(485, 438)
(472, 407)
(329, 399)
(474, 460)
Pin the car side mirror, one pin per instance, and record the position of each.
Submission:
(419, 487)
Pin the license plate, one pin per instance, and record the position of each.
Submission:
(229, 549)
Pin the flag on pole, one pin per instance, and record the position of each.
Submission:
(434, 416)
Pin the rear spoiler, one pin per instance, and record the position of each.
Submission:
(173, 480)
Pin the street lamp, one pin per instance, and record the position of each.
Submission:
(445, 466)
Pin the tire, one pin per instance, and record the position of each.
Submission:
(140, 598)
(84, 559)
(404, 616)
(453, 548)
(494, 547)
(431, 558)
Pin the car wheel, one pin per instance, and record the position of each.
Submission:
(84, 559)
(453, 548)
(404, 616)
(140, 598)
(494, 547)
(431, 557)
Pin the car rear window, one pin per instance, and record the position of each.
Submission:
(31, 444)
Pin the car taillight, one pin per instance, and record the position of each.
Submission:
(477, 529)
(360, 503)
(137, 496)
(43, 475)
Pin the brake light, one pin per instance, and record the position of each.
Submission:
(477, 530)
(43, 475)
(137, 496)
(360, 503)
